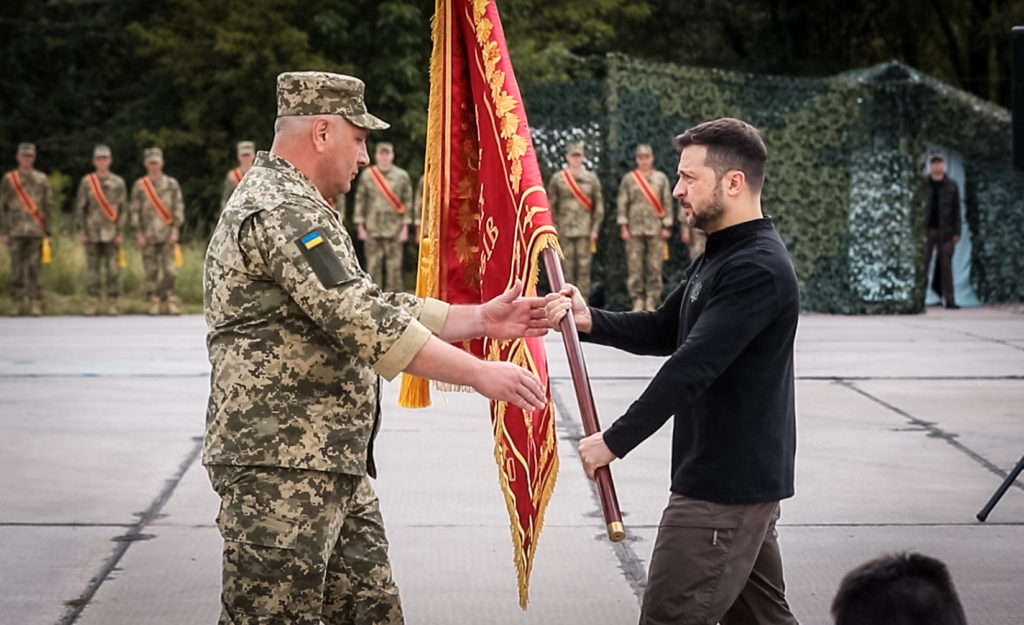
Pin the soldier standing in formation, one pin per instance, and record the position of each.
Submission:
(246, 152)
(157, 212)
(645, 221)
(382, 214)
(25, 203)
(577, 208)
(298, 337)
(101, 208)
(694, 238)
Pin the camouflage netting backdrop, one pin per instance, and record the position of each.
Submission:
(845, 170)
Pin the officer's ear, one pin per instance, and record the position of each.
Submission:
(320, 132)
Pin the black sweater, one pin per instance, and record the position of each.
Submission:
(728, 331)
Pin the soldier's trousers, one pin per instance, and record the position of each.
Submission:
(301, 547)
(26, 265)
(158, 263)
(100, 255)
(384, 262)
(644, 258)
(698, 239)
(576, 265)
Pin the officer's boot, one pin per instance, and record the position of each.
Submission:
(92, 306)
(638, 303)
(18, 308)
(112, 306)
(173, 305)
(652, 303)
(37, 307)
(154, 305)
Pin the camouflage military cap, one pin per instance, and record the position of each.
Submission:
(643, 148)
(574, 147)
(384, 146)
(150, 155)
(28, 149)
(246, 147)
(323, 93)
(101, 150)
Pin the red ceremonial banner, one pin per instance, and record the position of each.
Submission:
(486, 220)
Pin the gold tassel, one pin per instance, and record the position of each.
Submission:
(178, 259)
(664, 253)
(46, 252)
(122, 261)
(415, 392)
(593, 246)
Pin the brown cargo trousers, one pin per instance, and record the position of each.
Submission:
(716, 563)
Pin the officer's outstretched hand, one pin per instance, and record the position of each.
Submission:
(504, 381)
(556, 305)
(509, 316)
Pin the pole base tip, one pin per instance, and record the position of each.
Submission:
(616, 531)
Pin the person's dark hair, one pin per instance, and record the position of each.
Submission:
(898, 589)
(936, 159)
(732, 144)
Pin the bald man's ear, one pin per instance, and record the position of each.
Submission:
(320, 130)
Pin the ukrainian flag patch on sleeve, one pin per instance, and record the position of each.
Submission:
(312, 239)
(323, 260)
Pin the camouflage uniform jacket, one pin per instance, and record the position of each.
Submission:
(571, 217)
(637, 212)
(375, 211)
(90, 218)
(298, 333)
(15, 221)
(146, 220)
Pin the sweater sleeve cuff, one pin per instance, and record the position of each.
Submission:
(434, 314)
(617, 442)
(402, 351)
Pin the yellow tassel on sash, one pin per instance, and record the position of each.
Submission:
(593, 246)
(178, 260)
(664, 253)
(47, 253)
(122, 261)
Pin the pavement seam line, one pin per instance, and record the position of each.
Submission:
(77, 606)
(629, 562)
(934, 432)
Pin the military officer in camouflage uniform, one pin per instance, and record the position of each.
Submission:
(577, 224)
(694, 238)
(246, 152)
(643, 230)
(101, 208)
(298, 335)
(26, 200)
(379, 222)
(157, 221)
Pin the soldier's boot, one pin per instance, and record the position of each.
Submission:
(652, 303)
(173, 305)
(17, 308)
(638, 303)
(112, 306)
(37, 307)
(92, 306)
(154, 305)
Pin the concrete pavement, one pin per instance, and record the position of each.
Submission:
(906, 427)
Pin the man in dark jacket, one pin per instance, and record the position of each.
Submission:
(728, 332)
(943, 225)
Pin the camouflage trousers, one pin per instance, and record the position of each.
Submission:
(302, 546)
(26, 265)
(158, 263)
(696, 245)
(644, 258)
(98, 255)
(576, 263)
(384, 260)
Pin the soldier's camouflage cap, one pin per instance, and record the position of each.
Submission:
(152, 154)
(385, 146)
(324, 93)
(574, 147)
(644, 148)
(101, 150)
(28, 149)
(246, 147)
